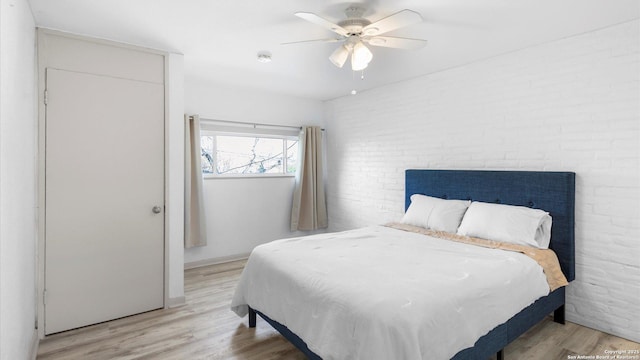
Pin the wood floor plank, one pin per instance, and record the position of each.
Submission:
(205, 328)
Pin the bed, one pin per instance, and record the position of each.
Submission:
(552, 191)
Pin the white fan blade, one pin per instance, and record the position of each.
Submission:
(312, 41)
(322, 22)
(396, 42)
(392, 22)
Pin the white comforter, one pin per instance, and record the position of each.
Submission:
(381, 293)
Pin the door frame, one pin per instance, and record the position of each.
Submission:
(42, 64)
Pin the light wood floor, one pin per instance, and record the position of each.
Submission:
(205, 328)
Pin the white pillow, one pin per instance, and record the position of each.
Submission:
(513, 224)
(435, 213)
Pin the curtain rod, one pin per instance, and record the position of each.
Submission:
(249, 124)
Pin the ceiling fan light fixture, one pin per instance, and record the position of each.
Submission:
(360, 57)
(339, 56)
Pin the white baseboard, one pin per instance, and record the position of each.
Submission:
(214, 261)
(35, 342)
(176, 301)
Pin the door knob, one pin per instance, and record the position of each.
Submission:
(156, 209)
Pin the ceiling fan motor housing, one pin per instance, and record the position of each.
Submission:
(354, 22)
(354, 26)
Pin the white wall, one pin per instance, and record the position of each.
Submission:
(569, 105)
(17, 180)
(243, 213)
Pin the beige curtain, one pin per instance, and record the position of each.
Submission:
(195, 230)
(309, 210)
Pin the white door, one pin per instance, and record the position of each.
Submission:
(104, 199)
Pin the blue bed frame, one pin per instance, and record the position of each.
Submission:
(551, 191)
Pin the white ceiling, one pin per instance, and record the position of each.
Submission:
(220, 39)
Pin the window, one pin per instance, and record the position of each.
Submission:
(248, 154)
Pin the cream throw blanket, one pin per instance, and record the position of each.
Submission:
(546, 258)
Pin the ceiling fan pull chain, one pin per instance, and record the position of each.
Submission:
(354, 72)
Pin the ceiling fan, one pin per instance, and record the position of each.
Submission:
(356, 31)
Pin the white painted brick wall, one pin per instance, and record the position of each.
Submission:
(568, 105)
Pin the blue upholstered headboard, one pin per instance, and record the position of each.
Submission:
(553, 192)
